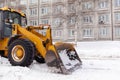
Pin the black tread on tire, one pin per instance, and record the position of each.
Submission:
(39, 59)
(29, 52)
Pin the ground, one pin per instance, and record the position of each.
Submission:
(101, 61)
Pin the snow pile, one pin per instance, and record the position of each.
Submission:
(100, 49)
(13, 73)
(100, 62)
(66, 61)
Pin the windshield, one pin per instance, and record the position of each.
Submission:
(23, 21)
(16, 18)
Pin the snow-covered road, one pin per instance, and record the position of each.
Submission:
(92, 69)
(101, 61)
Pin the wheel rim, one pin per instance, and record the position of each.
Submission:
(18, 53)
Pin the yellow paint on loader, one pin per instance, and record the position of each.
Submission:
(25, 44)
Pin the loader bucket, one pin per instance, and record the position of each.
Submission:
(66, 61)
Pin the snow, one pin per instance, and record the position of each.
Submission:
(66, 61)
(101, 61)
(103, 49)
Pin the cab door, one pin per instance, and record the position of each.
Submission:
(7, 26)
(1, 25)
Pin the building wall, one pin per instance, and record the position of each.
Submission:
(75, 19)
(99, 19)
(95, 20)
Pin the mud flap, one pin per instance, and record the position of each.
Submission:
(66, 61)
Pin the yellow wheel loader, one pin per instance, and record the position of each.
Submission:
(22, 44)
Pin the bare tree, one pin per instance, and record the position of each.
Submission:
(75, 13)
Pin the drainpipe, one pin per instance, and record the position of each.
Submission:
(5, 3)
(112, 25)
(28, 22)
(38, 11)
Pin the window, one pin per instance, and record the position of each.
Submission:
(58, 8)
(87, 19)
(33, 22)
(103, 18)
(44, 10)
(71, 7)
(16, 18)
(72, 20)
(44, 0)
(23, 21)
(87, 5)
(57, 0)
(1, 4)
(103, 31)
(33, 12)
(57, 33)
(43, 32)
(117, 16)
(23, 2)
(57, 21)
(33, 1)
(103, 4)
(13, 18)
(71, 32)
(87, 33)
(45, 21)
(117, 3)
(117, 31)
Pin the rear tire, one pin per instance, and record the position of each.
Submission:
(21, 52)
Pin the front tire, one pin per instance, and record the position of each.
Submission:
(21, 52)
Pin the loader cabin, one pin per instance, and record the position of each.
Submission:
(8, 17)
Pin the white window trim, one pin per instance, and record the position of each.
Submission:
(71, 32)
(117, 3)
(103, 4)
(44, 1)
(57, 21)
(117, 16)
(33, 12)
(88, 33)
(45, 21)
(33, 1)
(117, 31)
(87, 5)
(103, 32)
(58, 8)
(44, 10)
(57, 33)
(33, 22)
(88, 19)
(104, 18)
